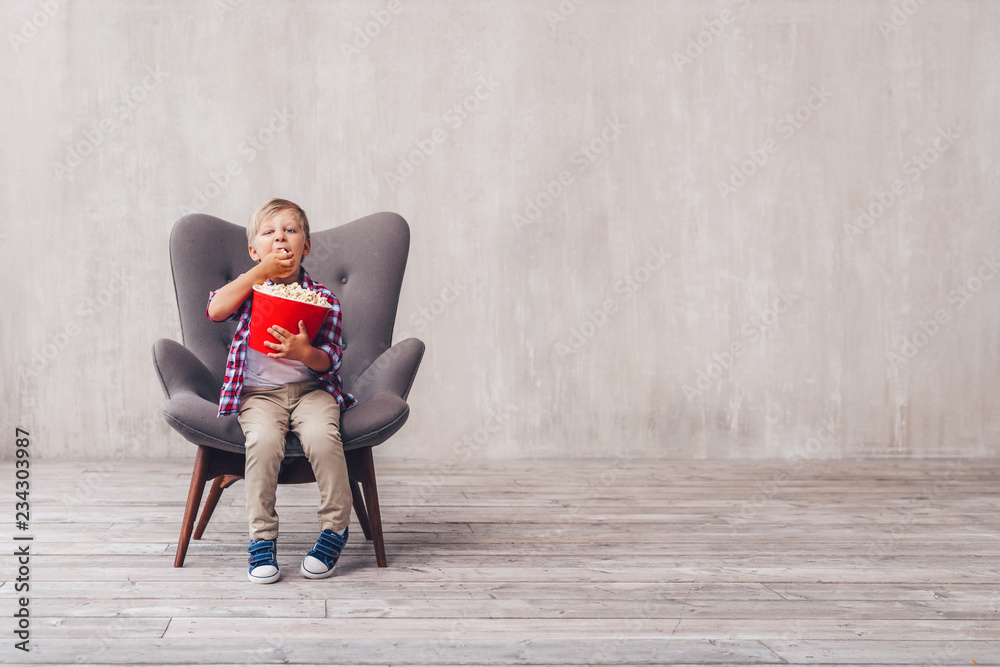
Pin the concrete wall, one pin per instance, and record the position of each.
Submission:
(638, 226)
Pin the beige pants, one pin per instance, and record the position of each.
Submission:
(314, 415)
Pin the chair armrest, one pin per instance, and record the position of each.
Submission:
(373, 421)
(180, 370)
(392, 372)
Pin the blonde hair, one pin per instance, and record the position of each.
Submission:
(270, 209)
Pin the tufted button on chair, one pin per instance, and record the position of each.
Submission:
(206, 253)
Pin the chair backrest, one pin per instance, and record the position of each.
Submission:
(362, 262)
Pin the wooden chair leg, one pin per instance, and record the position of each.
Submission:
(198, 478)
(367, 469)
(359, 508)
(219, 484)
(214, 493)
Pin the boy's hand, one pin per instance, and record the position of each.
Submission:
(277, 264)
(297, 347)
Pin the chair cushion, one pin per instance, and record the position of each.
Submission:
(197, 420)
(374, 421)
(365, 425)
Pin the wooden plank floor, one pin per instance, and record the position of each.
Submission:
(533, 562)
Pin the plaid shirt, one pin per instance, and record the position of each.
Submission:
(327, 339)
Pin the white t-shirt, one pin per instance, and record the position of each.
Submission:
(264, 371)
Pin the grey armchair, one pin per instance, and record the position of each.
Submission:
(362, 262)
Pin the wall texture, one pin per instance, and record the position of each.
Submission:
(640, 228)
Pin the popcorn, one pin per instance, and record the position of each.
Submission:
(295, 292)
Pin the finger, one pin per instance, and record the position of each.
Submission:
(276, 330)
(302, 328)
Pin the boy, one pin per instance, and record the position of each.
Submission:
(296, 386)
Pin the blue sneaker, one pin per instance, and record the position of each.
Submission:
(263, 561)
(320, 562)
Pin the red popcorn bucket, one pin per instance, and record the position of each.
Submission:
(271, 310)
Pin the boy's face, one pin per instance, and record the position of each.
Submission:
(282, 232)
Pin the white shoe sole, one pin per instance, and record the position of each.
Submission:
(314, 575)
(264, 580)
